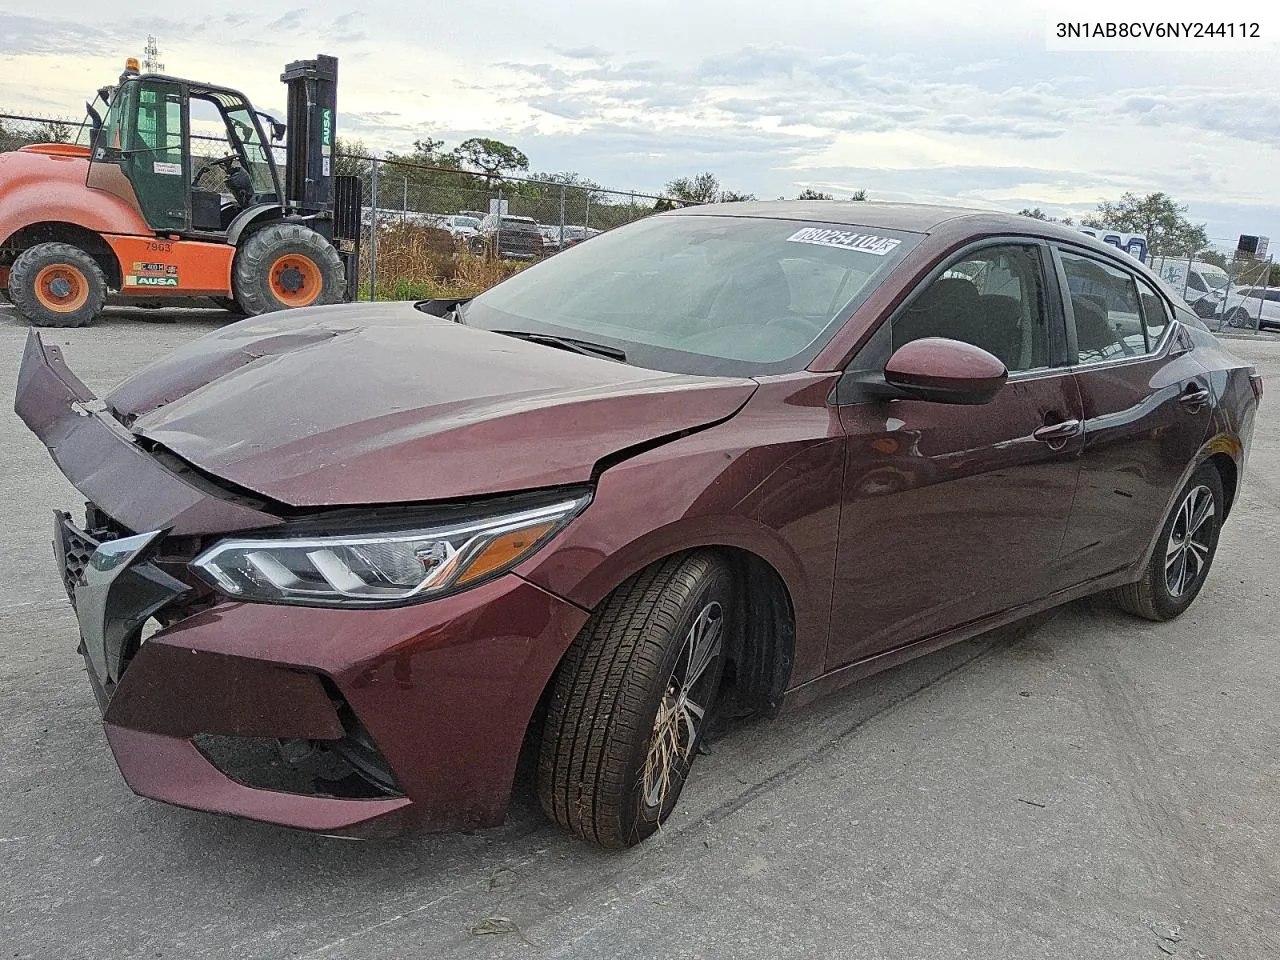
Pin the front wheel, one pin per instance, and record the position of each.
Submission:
(1183, 554)
(632, 698)
(57, 285)
(286, 265)
(226, 303)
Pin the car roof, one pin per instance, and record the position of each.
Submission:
(912, 217)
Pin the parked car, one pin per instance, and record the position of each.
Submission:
(717, 461)
(553, 232)
(460, 227)
(1253, 306)
(516, 238)
(1203, 285)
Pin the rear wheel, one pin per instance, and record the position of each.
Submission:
(1239, 318)
(631, 701)
(286, 265)
(1183, 554)
(57, 285)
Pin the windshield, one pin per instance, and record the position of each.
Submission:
(245, 127)
(1215, 277)
(701, 294)
(99, 106)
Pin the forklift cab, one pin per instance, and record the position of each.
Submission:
(194, 155)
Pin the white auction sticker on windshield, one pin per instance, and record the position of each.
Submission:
(846, 240)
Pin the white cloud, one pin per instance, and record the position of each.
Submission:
(958, 103)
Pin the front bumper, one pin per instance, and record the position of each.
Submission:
(436, 695)
(443, 690)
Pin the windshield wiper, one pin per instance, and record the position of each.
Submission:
(572, 344)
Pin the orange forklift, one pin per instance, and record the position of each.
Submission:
(137, 214)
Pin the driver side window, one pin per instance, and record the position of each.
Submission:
(993, 298)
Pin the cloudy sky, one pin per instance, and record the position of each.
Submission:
(956, 101)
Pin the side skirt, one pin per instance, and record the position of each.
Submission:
(860, 669)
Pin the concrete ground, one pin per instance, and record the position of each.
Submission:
(1089, 786)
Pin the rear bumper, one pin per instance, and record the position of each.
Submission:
(444, 689)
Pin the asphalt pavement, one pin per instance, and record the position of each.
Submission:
(1084, 786)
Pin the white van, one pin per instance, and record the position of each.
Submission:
(1203, 285)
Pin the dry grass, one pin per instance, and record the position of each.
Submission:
(417, 262)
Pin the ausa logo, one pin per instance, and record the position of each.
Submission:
(326, 126)
(151, 281)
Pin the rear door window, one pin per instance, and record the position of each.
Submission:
(1155, 313)
(1107, 313)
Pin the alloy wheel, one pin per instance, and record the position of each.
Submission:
(1190, 543)
(684, 705)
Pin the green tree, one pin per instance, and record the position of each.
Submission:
(1037, 214)
(703, 188)
(808, 193)
(54, 131)
(1214, 257)
(351, 158)
(1158, 217)
(491, 157)
(1274, 279)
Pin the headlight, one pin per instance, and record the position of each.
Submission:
(383, 568)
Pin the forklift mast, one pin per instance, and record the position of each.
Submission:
(313, 103)
(311, 186)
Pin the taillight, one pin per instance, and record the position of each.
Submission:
(1255, 381)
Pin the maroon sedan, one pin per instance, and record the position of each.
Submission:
(339, 564)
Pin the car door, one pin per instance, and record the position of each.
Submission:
(953, 513)
(1147, 410)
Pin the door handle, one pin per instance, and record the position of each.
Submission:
(1058, 432)
(1195, 396)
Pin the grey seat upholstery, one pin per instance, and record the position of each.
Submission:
(1094, 334)
(950, 307)
(1001, 333)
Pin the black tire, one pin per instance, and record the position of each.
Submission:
(40, 274)
(258, 291)
(1239, 318)
(601, 762)
(226, 303)
(1179, 564)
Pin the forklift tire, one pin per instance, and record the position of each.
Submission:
(286, 265)
(226, 303)
(57, 285)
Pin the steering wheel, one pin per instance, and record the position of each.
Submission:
(209, 165)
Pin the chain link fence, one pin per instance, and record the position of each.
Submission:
(1229, 288)
(17, 130)
(442, 231)
(436, 231)
(426, 230)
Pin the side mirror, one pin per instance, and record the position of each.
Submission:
(945, 371)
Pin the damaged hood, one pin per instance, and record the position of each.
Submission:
(381, 403)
